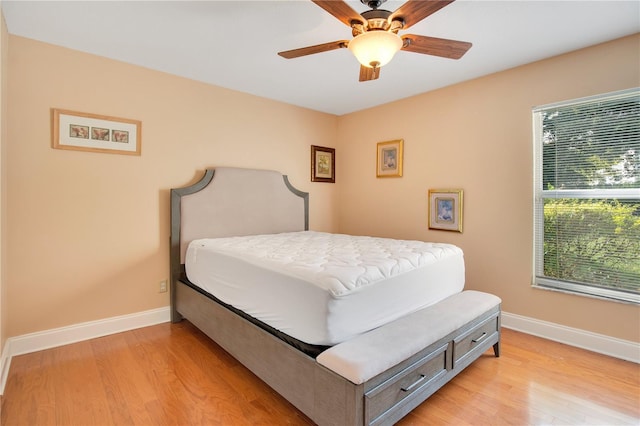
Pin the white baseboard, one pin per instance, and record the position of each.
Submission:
(34, 342)
(41, 340)
(618, 348)
(5, 363)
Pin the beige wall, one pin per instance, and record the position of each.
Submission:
(4, 37)
(478, 136)
(88, 233)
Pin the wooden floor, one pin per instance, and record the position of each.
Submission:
(171, 374)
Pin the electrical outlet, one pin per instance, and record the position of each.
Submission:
(163, 286)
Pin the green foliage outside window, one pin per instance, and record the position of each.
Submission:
(593, 242)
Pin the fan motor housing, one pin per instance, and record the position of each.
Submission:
(376, 20)
(373, 4)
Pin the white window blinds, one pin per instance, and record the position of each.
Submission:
(587, 195)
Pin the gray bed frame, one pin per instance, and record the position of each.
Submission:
(374, 379)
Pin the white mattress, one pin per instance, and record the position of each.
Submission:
(323, 288)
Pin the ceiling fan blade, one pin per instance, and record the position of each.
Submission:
(340, 10)
(310, 50)
(367, 73)
(414, 11)
(445, 48)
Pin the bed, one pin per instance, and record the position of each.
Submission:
(331, 349)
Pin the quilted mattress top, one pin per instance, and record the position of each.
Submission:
(339, 264)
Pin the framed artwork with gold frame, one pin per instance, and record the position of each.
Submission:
(445, 209)
(323, 164)
(389, 158)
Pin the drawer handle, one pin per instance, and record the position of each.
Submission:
(479, 338)
(414, 384)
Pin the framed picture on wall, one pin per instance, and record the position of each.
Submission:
(323, 164)
(389, 158)
(445, 209)
(82, 131)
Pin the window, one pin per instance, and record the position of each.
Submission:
(587, 196)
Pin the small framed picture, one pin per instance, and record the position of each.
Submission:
(82, 131)
(389, 159)
(445, 209)
(323, 164)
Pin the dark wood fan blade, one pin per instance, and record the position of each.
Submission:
(340, 10)
(367, 73)
(451, 49)
(415, 11)
(310, 50)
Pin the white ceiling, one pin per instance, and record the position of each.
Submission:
(233, 44)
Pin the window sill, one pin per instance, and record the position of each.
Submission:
(628, 299)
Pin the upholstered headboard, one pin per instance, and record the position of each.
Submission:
(230, 202)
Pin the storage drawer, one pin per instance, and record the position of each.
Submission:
(471, 341)
(407, 382)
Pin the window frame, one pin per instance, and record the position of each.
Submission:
(540, 194)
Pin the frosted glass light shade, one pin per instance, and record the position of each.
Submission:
(375, 48)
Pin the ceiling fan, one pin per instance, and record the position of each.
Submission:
(376, 37)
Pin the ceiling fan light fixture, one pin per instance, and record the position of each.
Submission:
(375, 48)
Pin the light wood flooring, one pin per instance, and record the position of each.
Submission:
(171, 374)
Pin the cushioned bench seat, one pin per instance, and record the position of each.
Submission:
(372, 353)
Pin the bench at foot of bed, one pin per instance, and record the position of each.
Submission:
(373, 379)
(403, 363)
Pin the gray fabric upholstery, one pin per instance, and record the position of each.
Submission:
(369, 354)
(240, 202)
